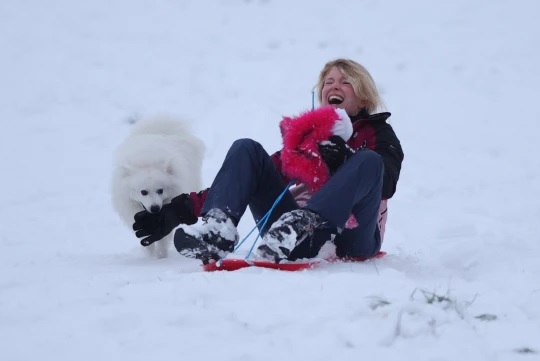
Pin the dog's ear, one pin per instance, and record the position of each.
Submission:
(169, 167)
(127, 170)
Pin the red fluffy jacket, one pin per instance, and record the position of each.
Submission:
(300, 157)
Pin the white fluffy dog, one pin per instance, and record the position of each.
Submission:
(159, 160)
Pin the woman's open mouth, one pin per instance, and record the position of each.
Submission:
(335, 99)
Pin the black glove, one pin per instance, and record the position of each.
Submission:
(155, 226)
(334, 153)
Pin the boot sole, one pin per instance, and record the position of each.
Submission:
(192, 247)
(267, 252)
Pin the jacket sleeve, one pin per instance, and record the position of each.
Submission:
(389, 147)
(276, 159)
(197, 199)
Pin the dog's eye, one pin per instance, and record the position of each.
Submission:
(159, 191)
(144, 192)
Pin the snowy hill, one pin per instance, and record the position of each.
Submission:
(460, 281)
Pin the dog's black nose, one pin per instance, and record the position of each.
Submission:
(155, 208)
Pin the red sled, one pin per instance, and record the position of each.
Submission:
(233, 264)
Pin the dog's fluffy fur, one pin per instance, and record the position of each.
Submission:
(159, 160)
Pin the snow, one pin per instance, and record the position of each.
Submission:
(461, 79)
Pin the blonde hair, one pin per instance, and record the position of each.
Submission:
(360, 79)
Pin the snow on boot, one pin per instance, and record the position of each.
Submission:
(287, 232)
(211, 238)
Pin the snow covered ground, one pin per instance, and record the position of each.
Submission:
(461, 279)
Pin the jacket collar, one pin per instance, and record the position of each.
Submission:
(363, 115)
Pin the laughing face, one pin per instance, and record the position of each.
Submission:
(338, 92)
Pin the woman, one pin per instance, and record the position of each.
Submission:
(344, 159)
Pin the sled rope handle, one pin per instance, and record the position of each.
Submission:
(263, 220)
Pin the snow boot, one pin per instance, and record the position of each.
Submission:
(291, 229)
(211, 238)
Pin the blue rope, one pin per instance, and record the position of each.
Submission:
(264, 221)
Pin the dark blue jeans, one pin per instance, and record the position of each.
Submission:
(248, 177)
